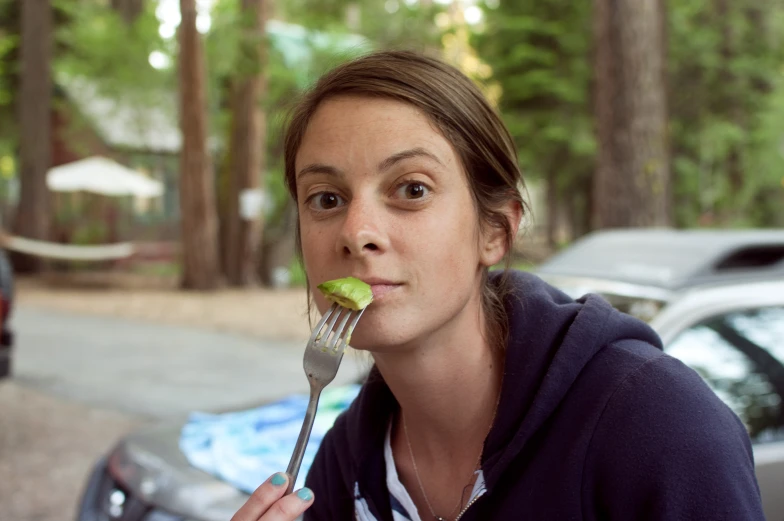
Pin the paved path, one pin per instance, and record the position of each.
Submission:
(82, 382)
(153, 369)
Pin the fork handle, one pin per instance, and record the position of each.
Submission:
(304, 436)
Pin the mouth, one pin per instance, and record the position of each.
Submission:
(380, 287)
(379, 290)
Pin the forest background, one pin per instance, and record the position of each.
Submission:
(625, 113)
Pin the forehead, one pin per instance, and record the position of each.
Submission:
(372, 126)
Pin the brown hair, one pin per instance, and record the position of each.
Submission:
(459, 111)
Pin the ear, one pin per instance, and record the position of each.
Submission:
(494, 244)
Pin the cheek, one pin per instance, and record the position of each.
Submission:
(457, 230)
(443, 242)
(309, 240)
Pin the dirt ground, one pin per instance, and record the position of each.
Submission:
(274, 314)
(47, 449)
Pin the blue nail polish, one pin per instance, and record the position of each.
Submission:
(278, 479)
(305, 494)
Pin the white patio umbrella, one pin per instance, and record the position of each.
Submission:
(102, 176)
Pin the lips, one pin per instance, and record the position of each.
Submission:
(380, 287)
(379, 290)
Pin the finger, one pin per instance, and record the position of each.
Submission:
(290, 507)
(262, 498)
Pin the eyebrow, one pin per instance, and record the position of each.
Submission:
(386, 164)
(406, 154)
(319, 168)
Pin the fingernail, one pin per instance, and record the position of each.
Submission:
(278, 479)
(305, 494)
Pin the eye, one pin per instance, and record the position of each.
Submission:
(323, 201)
(413, 190)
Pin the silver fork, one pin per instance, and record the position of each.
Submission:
(323, 354)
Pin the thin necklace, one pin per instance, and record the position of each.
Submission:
(416, 470)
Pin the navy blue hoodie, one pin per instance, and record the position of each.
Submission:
(595, 422)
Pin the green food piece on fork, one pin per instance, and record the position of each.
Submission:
(348, 292)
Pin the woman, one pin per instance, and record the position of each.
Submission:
(492, 396)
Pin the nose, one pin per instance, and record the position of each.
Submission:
(362, 232)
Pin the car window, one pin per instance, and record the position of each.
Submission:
(741, 357)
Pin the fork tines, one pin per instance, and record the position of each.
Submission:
(327, 337)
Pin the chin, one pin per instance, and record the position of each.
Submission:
(369, 339)
(376, 333)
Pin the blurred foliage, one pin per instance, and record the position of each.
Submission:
(726, 72)
(388, 24)
(726, 78)
(97, 44)
(726, 98)
(8, 44)
(540, 56)
(297, 273)
(9, 69)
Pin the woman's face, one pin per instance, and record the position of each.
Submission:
(383, 197)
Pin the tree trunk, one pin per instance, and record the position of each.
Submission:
(578, 205)
(35, 145)
(197, 190)
(129, 10)
(632, 181)
(247, 145)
